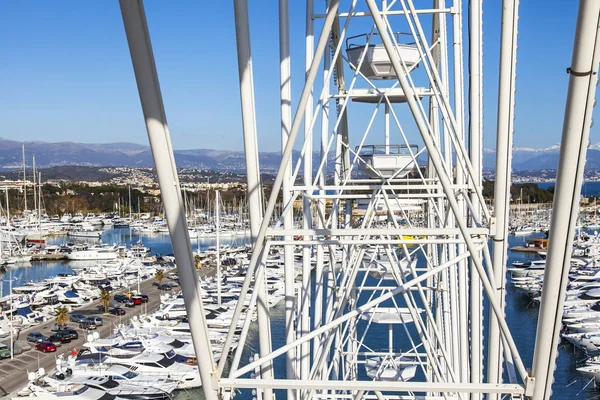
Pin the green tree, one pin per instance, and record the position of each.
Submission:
(62, 316)
(159, 276)
(105, 299)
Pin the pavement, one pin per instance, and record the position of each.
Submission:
(13, 373)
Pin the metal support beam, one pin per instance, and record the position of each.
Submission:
(504, 141)
(144, 67)
(288, 223)
(286, 156)
(475, 153)
(244, 53)
(571, 162)
(417, 387)
(444, 179)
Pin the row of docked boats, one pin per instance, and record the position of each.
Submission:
(581, 312)
(34, 302)
(152, 356)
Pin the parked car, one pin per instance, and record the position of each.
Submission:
(145, 298)
(95, 320)
(59, 338)
(136, 300)
(121, 298)
(87, 325)
(165, 287)
(57, 327)
(72, 333)
(77, 318)
(4, 351)
(46, 347)
(117, 311)
(36, 337)
(129, 304)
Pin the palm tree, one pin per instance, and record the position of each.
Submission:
(159, 276)
(62, 316)
(197, 261)
(105, 299)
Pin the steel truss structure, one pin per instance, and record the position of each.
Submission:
(393, 239)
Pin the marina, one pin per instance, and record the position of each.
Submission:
(366, 257)
(520, 309)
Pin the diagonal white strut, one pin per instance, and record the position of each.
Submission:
(142, 57)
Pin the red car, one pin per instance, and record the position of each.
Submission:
(136, 300)
(46, 347)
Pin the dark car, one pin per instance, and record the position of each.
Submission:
(87, 325)
(144, 298)
(117, 311)
(36, 337)
(60, 337)
(77, 318)
(72, 333)
(121, 298)
(95, 319)
(165, 286)
(46, 347)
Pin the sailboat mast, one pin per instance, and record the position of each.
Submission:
(218, 226)
(24, 177)
(7, 208)
(35, 207)
(130, 203)
(39, 192)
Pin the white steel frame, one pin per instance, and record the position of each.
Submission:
(325, 344)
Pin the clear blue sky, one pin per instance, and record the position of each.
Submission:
(66, 74)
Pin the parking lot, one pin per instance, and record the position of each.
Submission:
(13, 373)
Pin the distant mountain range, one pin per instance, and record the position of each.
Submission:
(539, 159)
(49, 154)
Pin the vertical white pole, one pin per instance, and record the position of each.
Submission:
(10, 295)
(244, 53)
(475, 146)
(218, 261)
(386, 124)
(459, 293)
(24, 177)
(39, 210)
(506, 101)
(288, 221)
(306, 204)
(320, 275)
(34, 184)
(142, 57)
(7, 208)
(569, 179)
(130, 220)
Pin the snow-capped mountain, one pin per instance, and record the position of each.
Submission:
(537, 159)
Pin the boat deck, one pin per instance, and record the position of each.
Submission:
(48, 257)
(527, 249)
